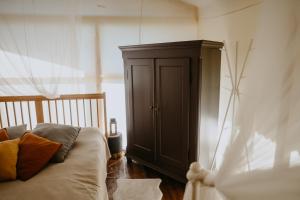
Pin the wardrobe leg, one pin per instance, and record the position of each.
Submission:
(129, 160)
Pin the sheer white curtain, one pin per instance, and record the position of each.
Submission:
(40, 48)
(262, 158)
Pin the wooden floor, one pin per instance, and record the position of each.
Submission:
(172, 190)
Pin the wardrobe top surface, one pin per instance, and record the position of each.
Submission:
(179, 44)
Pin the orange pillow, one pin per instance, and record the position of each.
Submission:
(8, 159)
(3, 135)
(34, 153)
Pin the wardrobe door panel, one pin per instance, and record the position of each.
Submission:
(142, 132)
(172, 89)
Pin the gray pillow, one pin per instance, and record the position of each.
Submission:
(16, 131)
(64, 134)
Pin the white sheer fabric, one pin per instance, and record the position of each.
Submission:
(40, 51)
(263, 160)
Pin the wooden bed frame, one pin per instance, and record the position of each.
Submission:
(37, 108)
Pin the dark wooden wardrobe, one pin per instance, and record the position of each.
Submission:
(169, 87)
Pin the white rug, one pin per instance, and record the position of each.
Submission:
(138, 189)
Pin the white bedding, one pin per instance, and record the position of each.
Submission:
(81, 176)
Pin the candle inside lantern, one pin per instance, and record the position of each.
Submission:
(113, 126)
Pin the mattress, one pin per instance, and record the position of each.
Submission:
(81, 176)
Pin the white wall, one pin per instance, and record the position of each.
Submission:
(235, 23)
(271, 25)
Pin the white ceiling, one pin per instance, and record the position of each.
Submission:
(124, 8)
(152, 8)
(200, 3)
(210, 8)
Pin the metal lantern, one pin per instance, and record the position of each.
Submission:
(113, 126)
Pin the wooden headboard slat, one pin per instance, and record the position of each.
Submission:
(40, 112)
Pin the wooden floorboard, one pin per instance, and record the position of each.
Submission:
(171, 189)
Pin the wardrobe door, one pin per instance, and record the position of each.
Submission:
(141, 132)
(173, 93)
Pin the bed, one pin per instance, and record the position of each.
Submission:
(82, 175)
